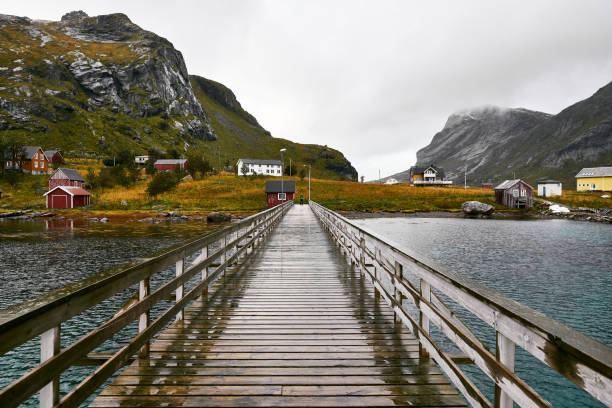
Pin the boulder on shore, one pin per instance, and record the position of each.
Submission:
(218, 217)
(477, 208)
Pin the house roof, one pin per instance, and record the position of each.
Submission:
(509, 183)
(71, 174)
(73, 191)
(262, 161)
(51, 153)
(595, 172)
(30, 151)
(549, 181)
(275, 186)
(171, 161)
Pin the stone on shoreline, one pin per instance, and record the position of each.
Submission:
(218, 217)
(477, 208)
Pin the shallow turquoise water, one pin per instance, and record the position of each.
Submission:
(560, 268)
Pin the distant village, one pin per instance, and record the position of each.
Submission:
(67, 187)
(514, 193)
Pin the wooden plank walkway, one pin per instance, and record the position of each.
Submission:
(292, 326)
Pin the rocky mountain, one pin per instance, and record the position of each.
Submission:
(94, 86)
(497, 143)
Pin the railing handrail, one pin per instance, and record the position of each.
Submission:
(17, 330)
(583, 360)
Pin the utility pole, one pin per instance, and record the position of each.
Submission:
(309, 184)
(219, 161)
(282, 171)
(465, 178)
(290, 167)
(379, 180)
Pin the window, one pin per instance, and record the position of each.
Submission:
(523, 192)
(515, 193)
(278, 171)
(35, 164)
(42, 165)
(282, 196)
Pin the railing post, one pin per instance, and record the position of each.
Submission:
(50, 346)
(362, 255)
(143, 319)
(180, 266)
(504, 353)
(203, 256)
(399, 298)
(423, 319)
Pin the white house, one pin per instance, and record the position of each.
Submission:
(141, 160)
(391, 181)
(549, 188)
(259, 166)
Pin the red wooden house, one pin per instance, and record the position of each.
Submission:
(32, 160)
(67, 197)
(170, 164)
(54, 156)
(278, 192)
(514, 194)
(66, 177)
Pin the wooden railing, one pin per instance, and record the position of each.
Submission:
(581, 359)
(44, 315)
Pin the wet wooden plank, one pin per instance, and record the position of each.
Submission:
(294, 327)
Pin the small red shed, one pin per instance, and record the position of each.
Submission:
(54, 156)
(170, 164)
(279, 191)
(67, 197)
(66, 177)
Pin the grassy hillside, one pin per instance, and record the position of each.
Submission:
(96, 86)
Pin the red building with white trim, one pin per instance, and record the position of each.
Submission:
(67, 197)
(278, 192)
(170, 164)
(66, 177)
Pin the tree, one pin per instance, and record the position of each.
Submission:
(162, 182)
(362, 179)
(244, 169)
(150, 166)
(196, 163)
(302, 174)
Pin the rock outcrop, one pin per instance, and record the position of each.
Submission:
(103, 63)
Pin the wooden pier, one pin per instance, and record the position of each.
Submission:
(293, 307)
(294, 326)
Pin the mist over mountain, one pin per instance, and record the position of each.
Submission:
(493, 143)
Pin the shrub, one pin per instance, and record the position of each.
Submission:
(162, 182)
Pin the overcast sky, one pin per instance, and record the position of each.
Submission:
(376, 79)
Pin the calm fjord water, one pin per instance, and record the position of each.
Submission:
(560, 268)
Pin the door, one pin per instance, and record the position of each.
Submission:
(59, 201)
(544, 191)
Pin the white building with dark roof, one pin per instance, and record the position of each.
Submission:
(247, 167)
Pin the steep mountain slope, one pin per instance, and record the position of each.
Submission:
(94, 86)
(497, 143)
(240, 135)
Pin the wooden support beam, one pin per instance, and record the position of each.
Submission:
(49, 347)
(505, 353)
(143, 320)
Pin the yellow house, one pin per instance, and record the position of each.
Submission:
(594, 179)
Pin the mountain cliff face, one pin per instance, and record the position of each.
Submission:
(97, 85)
(497, 143)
